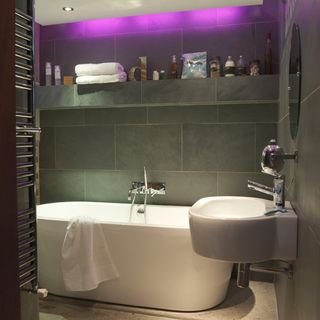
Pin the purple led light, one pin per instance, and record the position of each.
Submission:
(150, 22)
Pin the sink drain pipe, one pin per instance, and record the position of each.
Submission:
(243, 275)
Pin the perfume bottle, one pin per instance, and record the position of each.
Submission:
(241, 67)
(215, 67)
(229, 68)
(48, 74)
(268, 56)
(57, 75)
(174, 68)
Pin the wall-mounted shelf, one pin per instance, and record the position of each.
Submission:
(247, 89)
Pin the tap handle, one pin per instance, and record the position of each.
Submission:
(269, 164)
(272, 158)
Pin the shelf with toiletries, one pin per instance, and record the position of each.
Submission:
(223, 90)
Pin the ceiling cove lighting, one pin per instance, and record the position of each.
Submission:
(68, 9)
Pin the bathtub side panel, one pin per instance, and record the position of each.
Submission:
(157, 268)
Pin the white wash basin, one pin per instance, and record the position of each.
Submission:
(236, 229)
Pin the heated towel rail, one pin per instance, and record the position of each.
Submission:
(26, 148)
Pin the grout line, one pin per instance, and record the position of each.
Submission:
(182, 42)
(115, 145)
(181, 147)
(54, 146)
(216, 91)
(153, 170)
(309, 95)
(255, 40)
(217, 183)
(115, 47)
(85, 184)
(157, 123)
(287, 115)
(255, 147)
(147, 115)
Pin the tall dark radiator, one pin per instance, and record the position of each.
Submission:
(26, 146)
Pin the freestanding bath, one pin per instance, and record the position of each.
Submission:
(155, 260)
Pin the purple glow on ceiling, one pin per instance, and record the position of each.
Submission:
(156, 22)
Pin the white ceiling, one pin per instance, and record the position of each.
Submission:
(50, 11)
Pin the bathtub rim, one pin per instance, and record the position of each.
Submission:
(117, 223)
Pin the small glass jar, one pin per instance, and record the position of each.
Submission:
(255, 68)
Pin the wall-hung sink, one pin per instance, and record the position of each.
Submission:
(236, 229)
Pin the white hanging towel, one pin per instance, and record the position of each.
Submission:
(121, 77)
(86, 259)
(98, 69)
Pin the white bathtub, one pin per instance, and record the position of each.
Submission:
(155, 260)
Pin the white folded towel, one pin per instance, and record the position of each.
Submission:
(86, 259)
(121, 77)
(98, 69)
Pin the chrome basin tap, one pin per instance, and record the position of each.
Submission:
(277, 191)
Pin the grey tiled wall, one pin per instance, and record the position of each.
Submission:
(299, 298)
(94, 154)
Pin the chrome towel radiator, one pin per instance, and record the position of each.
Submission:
(25, 148)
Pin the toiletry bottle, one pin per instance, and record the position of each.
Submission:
(268, 56)
(143, 66)
(57, 75)
(215, 67)
(229, 68)
(48, 74)
(162, 75)
(241, 67)
(174, 68)
(155, 75)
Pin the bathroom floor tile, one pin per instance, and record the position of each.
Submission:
(256, 302)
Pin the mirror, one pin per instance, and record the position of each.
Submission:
(295, 81)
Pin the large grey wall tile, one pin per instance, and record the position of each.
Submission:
(256, 112)
(58, 185)
(200, 147)
(309, 23)
(306, 276)
(178, 91)
(70, 52)
(85, 147)
(47, 148)
(116, 115)
(221, 41)
(248, 88)
(236, 147)
(53, 118)
(183, 114)
(269, 11)
(156, 147)
(307, 172)
(111, 186)
(235, 184)
(109, 94)
(264, 133)
(54, 96)
(158, 46)
(184, 188)
(219, 147)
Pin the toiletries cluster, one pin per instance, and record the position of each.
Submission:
(190, 66)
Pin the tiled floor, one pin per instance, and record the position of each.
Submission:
(255, 303)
